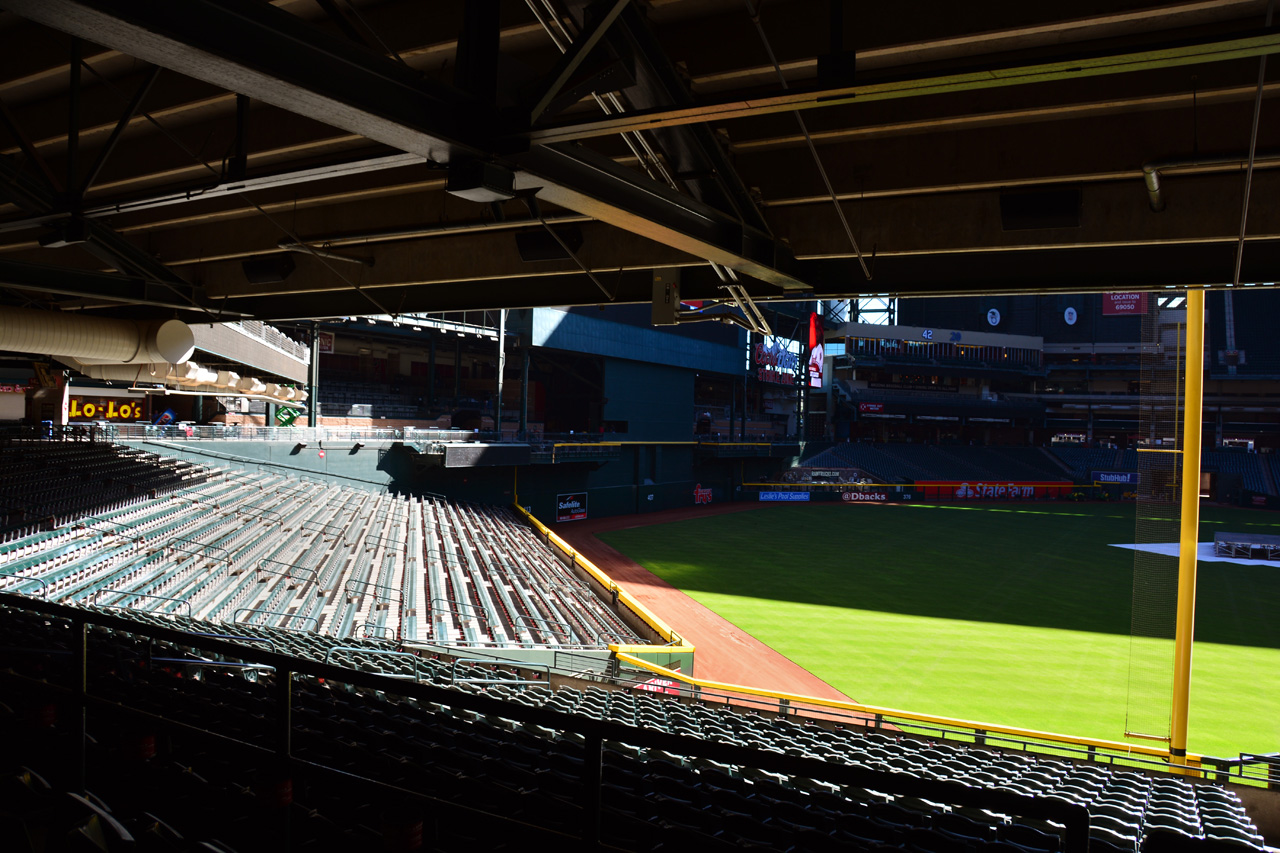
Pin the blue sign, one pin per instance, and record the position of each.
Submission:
(784, 496)
(1128, 478)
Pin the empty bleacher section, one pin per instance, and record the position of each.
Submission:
(360, 399)
(47, 483)
(260, 549)
(502, 758)
(1249, 466)
(1084, 460)
(903, 462)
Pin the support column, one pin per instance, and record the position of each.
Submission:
(313, 379)
(502, 366)
(1184, 633)
(431, 372)
(524, 395)
(457, 371)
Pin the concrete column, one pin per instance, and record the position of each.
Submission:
(431, 371)
(524, 394)
(502, 365)
(313, 379)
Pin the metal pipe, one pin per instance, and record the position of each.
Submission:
(305, 249)
(434, 231)
(1253, 152)
(1152, 178)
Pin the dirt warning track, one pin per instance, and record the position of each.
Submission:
(724, 651)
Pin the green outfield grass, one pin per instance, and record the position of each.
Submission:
(1015, 614)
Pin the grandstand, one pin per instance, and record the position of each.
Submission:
(195, 613)
(637, 768)
(340, 562)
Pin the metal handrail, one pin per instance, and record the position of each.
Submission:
(369, 626)
(271, 646)
(431, 608)
(123, 592)
(523, 619)
(416, 659)
(536, 667)
(310, 573)
(313, 526)
(236, 615)
(24, 578)
(226, 558)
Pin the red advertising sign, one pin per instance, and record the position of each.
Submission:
(701, 495)
(1120, 304)
(871, 407)
(987, 491)
(816, 350)
(661, 685)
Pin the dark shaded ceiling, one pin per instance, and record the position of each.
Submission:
(148, 149)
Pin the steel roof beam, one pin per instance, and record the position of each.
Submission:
(257, 50)
(896, 85)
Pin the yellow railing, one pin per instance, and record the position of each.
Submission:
(676, 643)
(1137, 750)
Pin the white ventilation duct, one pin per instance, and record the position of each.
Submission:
(95, 340)
(161, 372)
(191, 377)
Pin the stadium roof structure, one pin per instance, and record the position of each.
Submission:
(293, 159)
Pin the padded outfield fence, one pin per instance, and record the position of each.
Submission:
(932, 491)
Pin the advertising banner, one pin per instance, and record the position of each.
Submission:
(104, 409)
(1128, 478)
(816, 350)
(325, 341)
(571, 507)
(776, 360)
(864, 497)
(1122, 304)
(784, 496)
(871, 407)
(986, 491)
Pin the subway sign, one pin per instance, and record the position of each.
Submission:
(105, 409)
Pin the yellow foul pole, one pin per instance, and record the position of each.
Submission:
(1193, 404)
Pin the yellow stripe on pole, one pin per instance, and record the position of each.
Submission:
(1189, 539)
